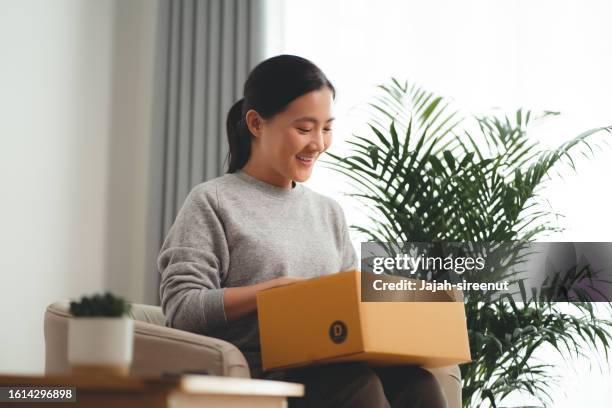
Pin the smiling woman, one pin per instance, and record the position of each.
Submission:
(289, 142)
(258, 227)
(283, 123)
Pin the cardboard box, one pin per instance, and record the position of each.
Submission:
(323, 320)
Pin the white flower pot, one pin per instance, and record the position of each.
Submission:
(100, 344)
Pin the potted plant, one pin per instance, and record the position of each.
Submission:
(428, 175)
(100, 336)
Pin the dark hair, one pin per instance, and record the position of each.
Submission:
(269, 88)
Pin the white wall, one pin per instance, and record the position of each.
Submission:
(74, 118)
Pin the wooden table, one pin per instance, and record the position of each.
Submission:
(187, 391)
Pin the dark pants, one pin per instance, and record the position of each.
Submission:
(356, 385)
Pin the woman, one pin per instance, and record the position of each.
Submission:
(258, 227)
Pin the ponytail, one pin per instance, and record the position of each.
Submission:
(238, 136)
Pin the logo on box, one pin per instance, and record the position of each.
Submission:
(338, 331)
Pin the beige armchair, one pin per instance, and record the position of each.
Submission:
(158, 349)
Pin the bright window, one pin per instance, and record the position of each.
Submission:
(545, 55)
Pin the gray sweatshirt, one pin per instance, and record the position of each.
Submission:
(236, 230)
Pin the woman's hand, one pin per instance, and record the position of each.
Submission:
(241, 301)
(285, 280)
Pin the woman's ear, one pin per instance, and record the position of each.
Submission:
(254, 122)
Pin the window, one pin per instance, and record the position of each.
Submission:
(547, 55)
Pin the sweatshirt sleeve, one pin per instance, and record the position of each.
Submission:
(349, 256)
(192, 262)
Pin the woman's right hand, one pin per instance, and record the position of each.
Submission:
(285, 280)
(242, 300)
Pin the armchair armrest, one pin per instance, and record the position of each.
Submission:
(450, 380)
(157, 348)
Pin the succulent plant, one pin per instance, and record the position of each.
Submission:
(106, 305)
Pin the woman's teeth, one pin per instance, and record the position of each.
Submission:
(305, 159)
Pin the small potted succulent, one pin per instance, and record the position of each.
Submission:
(100, 336)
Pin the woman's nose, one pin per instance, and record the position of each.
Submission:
(317, 142)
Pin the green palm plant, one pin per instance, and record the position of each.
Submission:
(427, 174)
